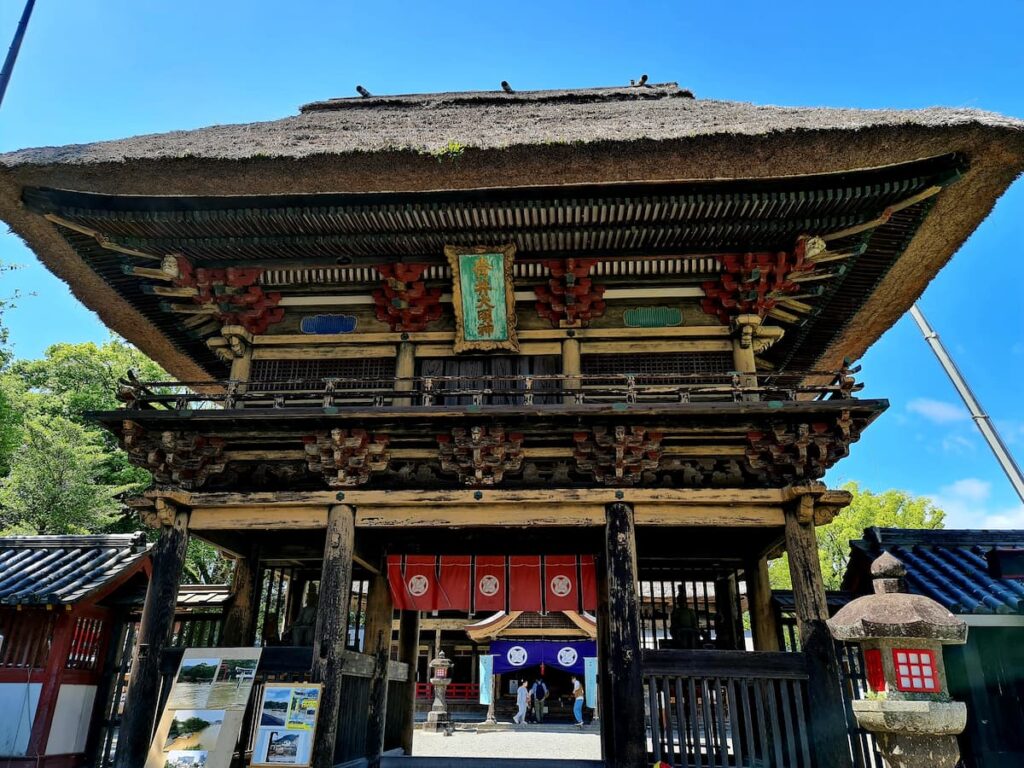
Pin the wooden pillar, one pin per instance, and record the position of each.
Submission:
(408, 653)
(763, 620)
(60, 647)
(727, 607)
(332, 628)
(168, 556)
(571, 367)
(825, 695)
(240, 622)
(242, 365)
(380, 613)
(604, 699)
(623, 665)
(405, 370)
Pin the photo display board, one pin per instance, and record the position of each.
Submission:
(201, 722)
(287, 724)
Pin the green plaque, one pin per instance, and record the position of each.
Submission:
(483, 298)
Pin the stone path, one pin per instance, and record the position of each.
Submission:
(565, 743)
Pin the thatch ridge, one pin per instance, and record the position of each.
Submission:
(531, 140)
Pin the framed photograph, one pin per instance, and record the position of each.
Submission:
(288, 715)
(483, 296)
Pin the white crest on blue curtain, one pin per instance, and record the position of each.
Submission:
(516, 656)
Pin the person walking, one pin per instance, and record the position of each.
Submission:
(539, 692)
(577, 705)
(522, 698)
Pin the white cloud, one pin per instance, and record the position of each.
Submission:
(957, 444)
(967, 504)
(938, 411)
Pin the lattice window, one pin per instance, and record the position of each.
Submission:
(916, 671)
(375, 372)
(27, 635)
(680, 363)
(86, 644)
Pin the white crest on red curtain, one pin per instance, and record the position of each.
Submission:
(418, 586)
(567, 656)
(561, 586)
(489, 586)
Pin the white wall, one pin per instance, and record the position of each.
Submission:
(70, 726)
(18, 702)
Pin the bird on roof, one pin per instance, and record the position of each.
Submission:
(639, 83)
(363, 92)
(506, 87)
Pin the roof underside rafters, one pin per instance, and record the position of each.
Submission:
(613, 221)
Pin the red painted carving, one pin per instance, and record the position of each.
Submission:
(619, 456)
(234, 294)
(751, 283)
(480, 455)
(569, 294)
(404, 302)
(346, 457)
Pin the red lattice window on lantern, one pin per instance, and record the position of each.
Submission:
(915, 671)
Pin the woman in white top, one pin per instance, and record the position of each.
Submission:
(577, 705)
(522, 699)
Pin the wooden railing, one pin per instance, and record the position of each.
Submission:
(454, 692)
(726, 709)
(486, 390)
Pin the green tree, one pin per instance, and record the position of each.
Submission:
(53, 486)
(889, 509)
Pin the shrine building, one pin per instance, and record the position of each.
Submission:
(480, 361)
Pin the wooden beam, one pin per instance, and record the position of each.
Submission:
(332, 628)
(168, 558)
(259, 516)
(527, 348)
(323, 353)
(825, 697)
(624, 662)
(640, 346)
(448, 337)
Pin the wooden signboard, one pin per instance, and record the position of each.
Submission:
(203, 716)
(483, 297)
(287, 724)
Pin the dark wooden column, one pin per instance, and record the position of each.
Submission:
(828, 717)
(604, 696)
(763, 621)
(240, 622)
(60, 647)
(623, 665)
(332, 627)
(408, 653)
(157, 621)
(380, 614)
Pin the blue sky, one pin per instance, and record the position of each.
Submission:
(92, 70)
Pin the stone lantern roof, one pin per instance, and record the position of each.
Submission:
(890, 613)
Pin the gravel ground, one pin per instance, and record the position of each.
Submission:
(518, 743)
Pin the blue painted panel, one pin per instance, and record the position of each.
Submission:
(324, 324)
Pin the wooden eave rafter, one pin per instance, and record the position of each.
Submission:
(633, 221)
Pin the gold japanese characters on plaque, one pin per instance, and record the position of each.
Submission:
(484, 297)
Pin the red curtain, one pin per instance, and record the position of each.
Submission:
(490, 589)
(493, 583)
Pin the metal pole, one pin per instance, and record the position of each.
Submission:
(981, 419)
(12, 54)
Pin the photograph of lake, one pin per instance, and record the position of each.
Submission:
(194, 682)
(275, 706)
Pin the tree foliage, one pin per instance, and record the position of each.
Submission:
(889, 509)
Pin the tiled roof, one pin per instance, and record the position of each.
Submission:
(949, 566)
(52, 570)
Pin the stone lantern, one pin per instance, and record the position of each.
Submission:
(437, 717)
(908, 709)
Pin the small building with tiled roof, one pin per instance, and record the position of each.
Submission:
(979, 576)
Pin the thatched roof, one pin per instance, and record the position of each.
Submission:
(494, 139)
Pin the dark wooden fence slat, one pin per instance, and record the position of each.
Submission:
(805, 750)
(656, 710)
(787, 718)
(693, 716)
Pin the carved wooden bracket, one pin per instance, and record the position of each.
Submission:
(230, 296)
(618, 456)
(346, 457)
(752, 283)
(789, 452)
(185, 459)
(480, 455)
(569, 298)
(753, 335)
(403, 301)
